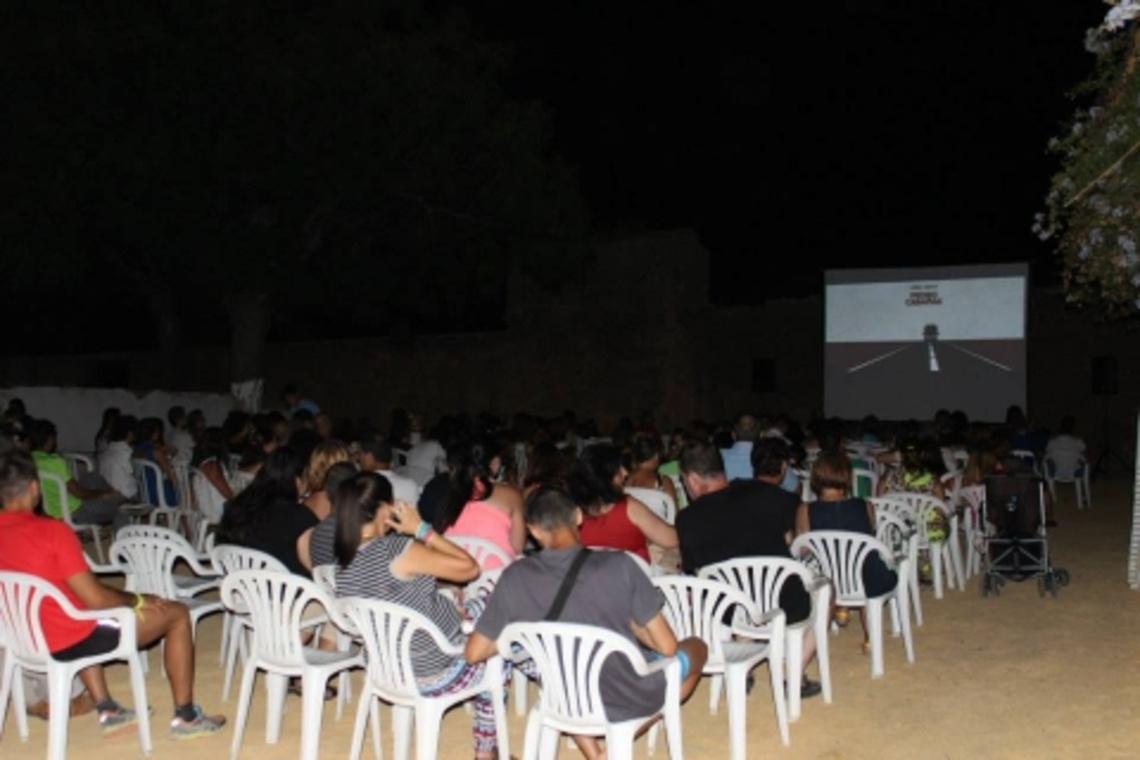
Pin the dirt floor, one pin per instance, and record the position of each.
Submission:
(1011, 677)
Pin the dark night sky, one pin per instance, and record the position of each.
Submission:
(802, 137)
(872, 133)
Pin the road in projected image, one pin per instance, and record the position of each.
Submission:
(902, 380)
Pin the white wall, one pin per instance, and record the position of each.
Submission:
(77, 412)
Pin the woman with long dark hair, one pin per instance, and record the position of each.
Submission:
(478, 506)
(612, 518)
(212, 490)
(386, 551)
(268, 515)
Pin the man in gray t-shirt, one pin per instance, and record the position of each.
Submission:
(610, 592)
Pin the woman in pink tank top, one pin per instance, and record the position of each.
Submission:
(478, 507)
(611, 518)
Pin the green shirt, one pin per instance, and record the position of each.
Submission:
(54, 464)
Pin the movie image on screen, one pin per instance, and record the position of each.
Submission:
(902, 343)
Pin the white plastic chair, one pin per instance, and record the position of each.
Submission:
(864, 481)
(80, 529)
(902, 538)
(325, 577)
(1075, 471)
(388, 631)
(699, 607)
(155, 497)
(150, 553)
(973, 499)
(276, 604)
(841, 555)
(569, 659)
(944, 552)
(227, 559)
(481, 550)
(658, 501)
(25, 647)
(761, 579)
(79, 464)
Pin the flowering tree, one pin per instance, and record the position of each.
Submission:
(1093, 205)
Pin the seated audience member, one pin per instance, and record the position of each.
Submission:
(178, 437)
(376, 456)
(1065, 450)
(738, 457)
(316, 545)
(89, 501)
(477, 507)
(385, 551)
(612, 518)
(295, 402)
(49, 550)
(645, 458)
(315, 494)
(150, 447)
(212, 490)
(836, 509)
(426, 459)
(268, 515)
(102, 436)
(743, 518)
(115, 461)
(610, 592)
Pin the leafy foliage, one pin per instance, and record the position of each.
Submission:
(1093, 206)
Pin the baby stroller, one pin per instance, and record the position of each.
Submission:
(1018, 549)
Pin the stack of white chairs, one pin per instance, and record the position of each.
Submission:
(946, 555)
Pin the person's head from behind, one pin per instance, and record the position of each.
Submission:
(211, 446)
(109, 416)
(196, 421)
(645, 451)
(831, 472)
(546, 464)
(150, 430)
(324, 456)
(552, 517)
(747, 428)
(291, 395)
(476, 464)
(595, 480)
(16, 409)
(770, 457)
(177, 417)
(1015, 419)
(375, 450)
(337, 474)
(702, 468)
(1068, 424)
(43, 436)
(281, 475)
(323, 424)
(362, 505)
(123, 428)
(19, 483)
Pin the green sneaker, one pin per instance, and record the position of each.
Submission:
(118, 721)
(202, 725)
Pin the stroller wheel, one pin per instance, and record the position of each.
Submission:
(1062, 578)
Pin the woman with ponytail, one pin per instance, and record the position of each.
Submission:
(385, 551)
(479, 507)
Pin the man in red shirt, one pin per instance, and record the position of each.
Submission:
(49, 549)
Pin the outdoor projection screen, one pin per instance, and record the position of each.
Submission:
(901, 344)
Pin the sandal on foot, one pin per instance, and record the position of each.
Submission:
(842, 617)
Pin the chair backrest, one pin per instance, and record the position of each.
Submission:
(228, 558)
(59, 487)
(921, 504)
(841, 555)
(1063, 466)
(952, 485)
(973, 496)
(569, 658)
(21, 635)
(388, 632)
(700, 606)
(897, 507)
(149, 477)
(895, 532)
(481, 550)
(79, 464)
(658, 501)
(760, 578)
(276, 603)
(399, 458)
(325, 577)
(484, 584)
(150, 554)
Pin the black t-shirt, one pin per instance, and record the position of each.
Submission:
(747, 518)
(278, 536)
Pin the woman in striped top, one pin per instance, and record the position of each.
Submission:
(386, 551)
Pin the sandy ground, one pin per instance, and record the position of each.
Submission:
(1011, 677)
